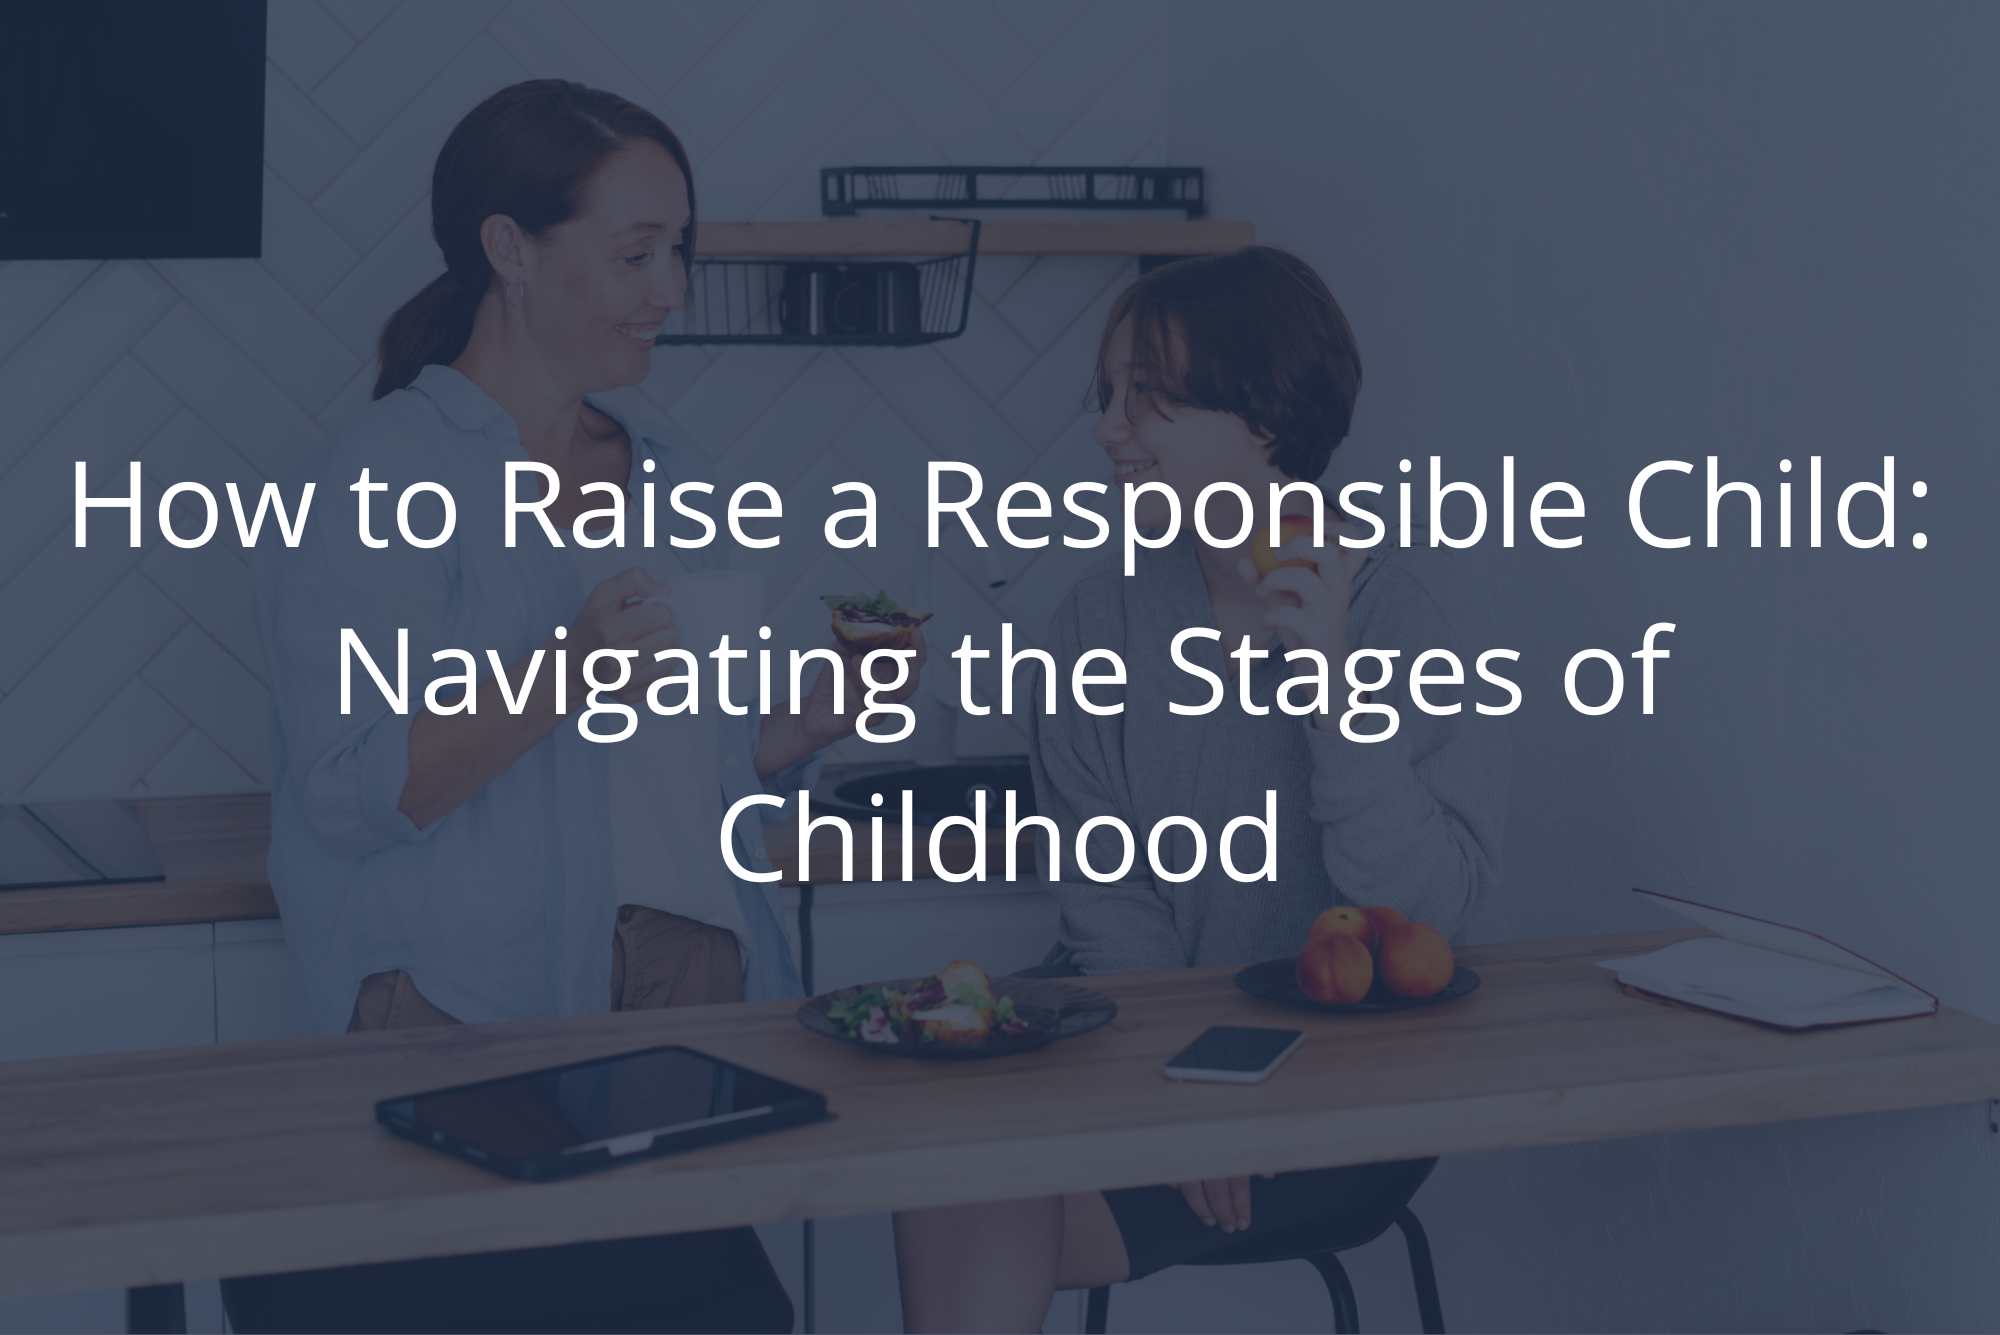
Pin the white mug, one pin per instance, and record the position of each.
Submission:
(709, 604)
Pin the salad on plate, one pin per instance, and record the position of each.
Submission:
(955, 1006)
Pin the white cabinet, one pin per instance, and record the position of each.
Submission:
(256, 990)
(123, 989)
(98, 1312)
(118, 989)
(113, 990)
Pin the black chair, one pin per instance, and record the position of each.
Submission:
(1318, 1243)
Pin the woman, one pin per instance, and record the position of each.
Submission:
(1234, 368)
(465, 861)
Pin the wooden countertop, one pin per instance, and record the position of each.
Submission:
(145, 1168)
(214, 850)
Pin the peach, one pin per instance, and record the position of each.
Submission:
(1335, 967)
(1384, 918)
(1289, 527)
(1345, 918)
(1415, 960)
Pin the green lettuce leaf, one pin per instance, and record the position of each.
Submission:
(881, 604)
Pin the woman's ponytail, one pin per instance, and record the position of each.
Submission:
(433, 326)
(527, 153)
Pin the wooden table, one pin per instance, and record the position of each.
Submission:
(146, 1168)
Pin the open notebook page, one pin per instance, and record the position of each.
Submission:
(1733, 969)
(1769, 935)
(1769, 972)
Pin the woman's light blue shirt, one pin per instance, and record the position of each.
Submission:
(503, 909)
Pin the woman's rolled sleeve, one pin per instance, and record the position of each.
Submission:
(351, 793)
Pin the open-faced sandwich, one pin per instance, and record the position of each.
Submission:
(955, 1007)
(863, 623)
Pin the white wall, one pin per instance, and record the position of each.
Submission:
(1597, 236)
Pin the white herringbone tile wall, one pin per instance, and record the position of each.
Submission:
(130, 672)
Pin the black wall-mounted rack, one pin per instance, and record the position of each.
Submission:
(842, 190)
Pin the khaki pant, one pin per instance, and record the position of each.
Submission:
(657, 959)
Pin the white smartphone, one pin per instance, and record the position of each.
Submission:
(1238, 1056)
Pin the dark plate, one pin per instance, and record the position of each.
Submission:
(1062, 1010)
(1275, 980)
(936, 791)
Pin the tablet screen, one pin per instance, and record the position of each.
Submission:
(628, 1104)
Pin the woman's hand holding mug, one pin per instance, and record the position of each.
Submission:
(627, 611)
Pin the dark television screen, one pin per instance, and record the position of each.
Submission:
(131, 128)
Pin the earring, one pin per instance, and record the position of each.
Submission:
(514, 292)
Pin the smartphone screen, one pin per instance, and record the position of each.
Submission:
(1227, 1052)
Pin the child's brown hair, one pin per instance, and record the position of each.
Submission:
(1255, 333)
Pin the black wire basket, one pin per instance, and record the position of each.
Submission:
(881, 303)
(842, 190)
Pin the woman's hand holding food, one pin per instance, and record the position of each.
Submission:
(820, 726)
(1223, 1201)
(1308, 597)
(861, 626)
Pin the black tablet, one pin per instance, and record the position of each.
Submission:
(571, 1119)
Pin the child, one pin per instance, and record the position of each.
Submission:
(1236, 369)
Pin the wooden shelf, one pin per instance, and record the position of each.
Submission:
(77, 908)
(869, 236)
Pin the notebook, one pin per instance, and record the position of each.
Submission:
(1768, 972)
